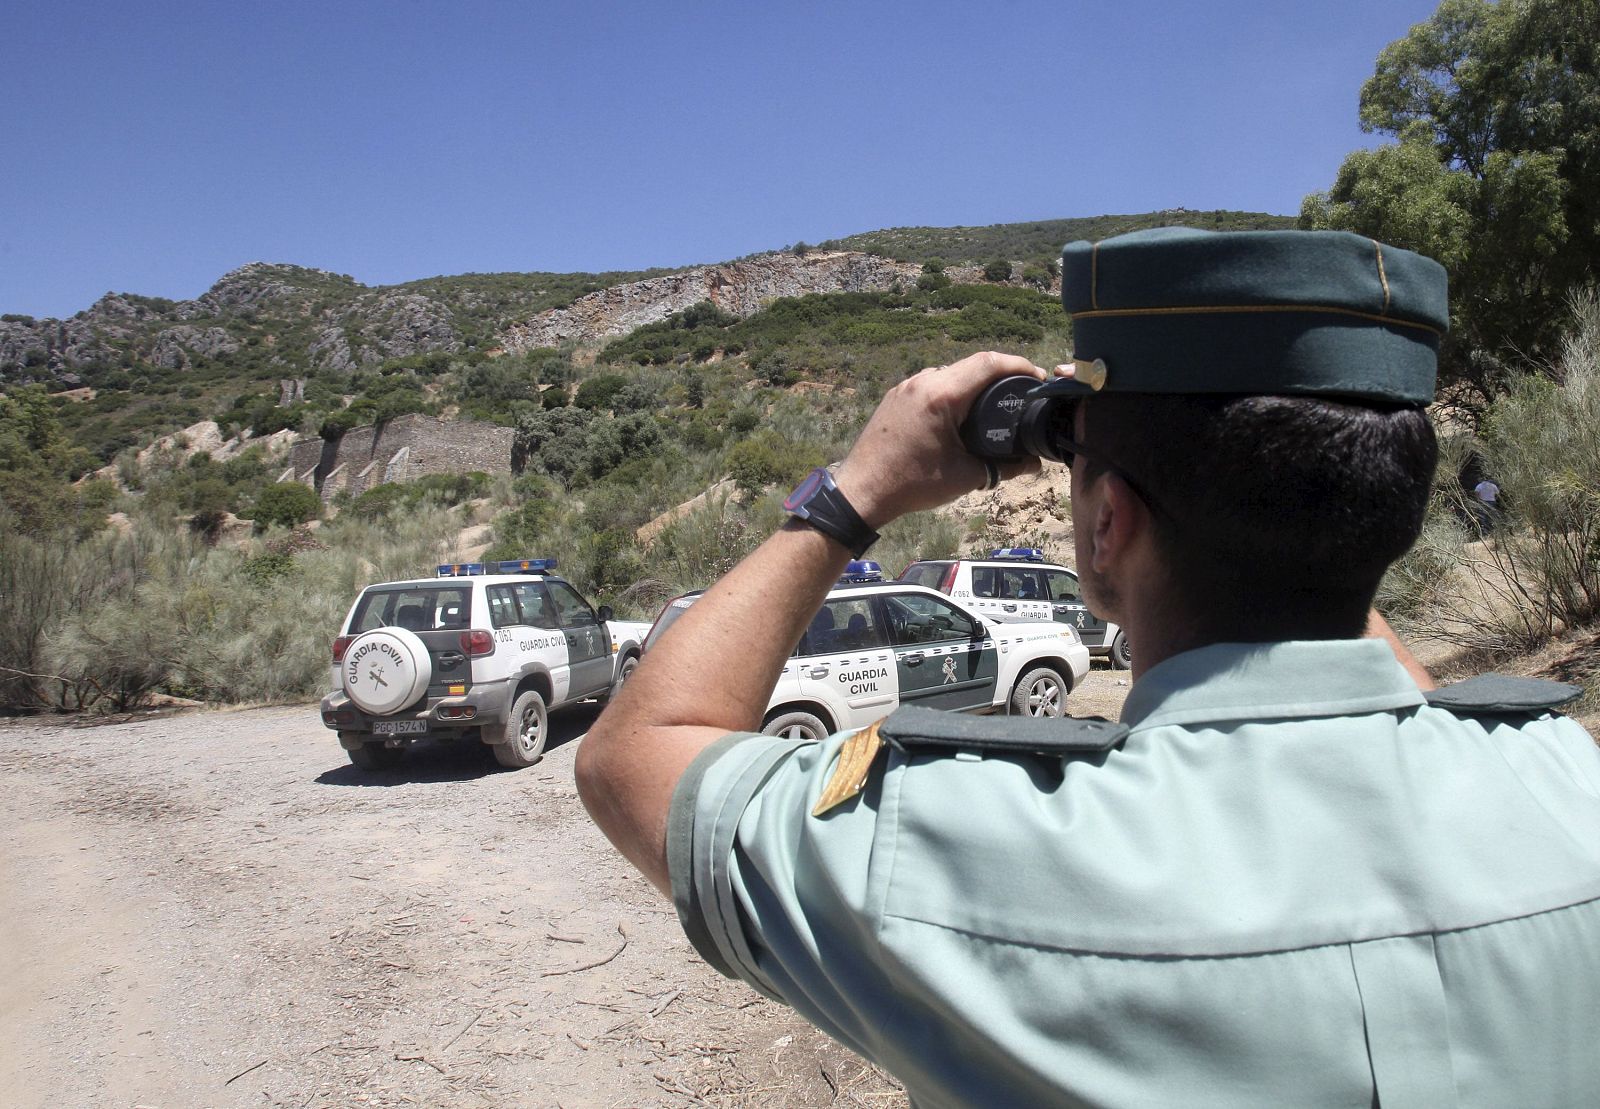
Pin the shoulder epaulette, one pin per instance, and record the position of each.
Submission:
(1501, 693)
(915, 728)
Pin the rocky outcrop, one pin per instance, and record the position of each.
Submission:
(1030, 511)
(174, 346)
(23, 348)
(258, 286)
(379, 326)
(738, 288)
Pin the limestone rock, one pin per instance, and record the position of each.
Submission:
(738, 288)
(378, 326)
(175, 345)
(258, 285)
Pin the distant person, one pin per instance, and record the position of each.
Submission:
(1294, 874)
(1486, 495)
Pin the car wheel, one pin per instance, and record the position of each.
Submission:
(526, 731)
(375, 756)
(1039, 692)
(629, 665)
(1121, 656)
(796, 725)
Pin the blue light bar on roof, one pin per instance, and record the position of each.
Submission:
(460, 569)
(1018, 554)
(526, 566)
(862, 569)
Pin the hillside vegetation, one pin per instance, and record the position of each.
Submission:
(1039, 242)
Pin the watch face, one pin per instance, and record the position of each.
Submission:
(804, 491)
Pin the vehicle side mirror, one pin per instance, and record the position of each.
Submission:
(606, 614)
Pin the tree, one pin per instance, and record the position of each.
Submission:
(1496, 172)
(997, 270)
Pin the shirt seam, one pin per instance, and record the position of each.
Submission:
(1243, 952)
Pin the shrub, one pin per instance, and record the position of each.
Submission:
(767, 458)
(599, 392)
(997, 270)
(286, 504)
(1539, 572)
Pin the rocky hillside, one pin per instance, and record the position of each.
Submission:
(307, 319)
(312, 321)
(740, 289)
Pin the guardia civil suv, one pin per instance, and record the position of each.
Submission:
(477, 652)
(1016, 583)
(875, 645)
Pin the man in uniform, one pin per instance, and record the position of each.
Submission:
(1288, 876)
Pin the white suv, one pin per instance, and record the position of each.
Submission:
(875, 645)
(1016, 583)
(471, 654)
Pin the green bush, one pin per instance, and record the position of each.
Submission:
(767, 458)
(286, 504)
(997, 270)
(599, 392)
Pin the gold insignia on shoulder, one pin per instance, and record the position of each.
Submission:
(850, 772)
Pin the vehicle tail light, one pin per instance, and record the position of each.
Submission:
(949, 582)
(477, 642)
(340, 645)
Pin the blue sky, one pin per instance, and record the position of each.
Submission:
(152, 147)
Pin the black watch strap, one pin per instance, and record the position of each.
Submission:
(818, 502)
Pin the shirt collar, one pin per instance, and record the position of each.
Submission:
(1253, 681)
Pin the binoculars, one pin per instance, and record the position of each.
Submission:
(1005, 424)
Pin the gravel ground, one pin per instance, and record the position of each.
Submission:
(214, 909)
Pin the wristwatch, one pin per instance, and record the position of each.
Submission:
(817, 501)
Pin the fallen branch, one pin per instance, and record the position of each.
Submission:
(244, 1072)
(597, 963)
(462, 1032)
(420, 1058)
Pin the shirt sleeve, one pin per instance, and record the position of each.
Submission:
(770, 894)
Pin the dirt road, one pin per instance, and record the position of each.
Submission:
(214, 909)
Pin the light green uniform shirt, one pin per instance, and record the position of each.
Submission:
(1295, 883)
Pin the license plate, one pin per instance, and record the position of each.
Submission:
(400, 727)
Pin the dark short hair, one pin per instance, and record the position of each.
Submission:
(1277, 516)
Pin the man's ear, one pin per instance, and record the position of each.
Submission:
(1121, 524)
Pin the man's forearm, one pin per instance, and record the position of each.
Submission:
(710, 674)
(713, 672)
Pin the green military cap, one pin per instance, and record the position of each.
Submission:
(1321, 313)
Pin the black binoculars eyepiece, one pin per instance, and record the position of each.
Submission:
(1006, 424)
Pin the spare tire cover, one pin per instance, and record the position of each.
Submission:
(386, 669)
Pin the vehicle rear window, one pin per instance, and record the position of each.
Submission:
(930, 574)
(846, 624)
(1020, 583)
(415, 608)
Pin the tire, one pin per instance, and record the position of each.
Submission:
(629, 665)
(796, 724)
(527, 728)
(375, 756)
(1121, 656)
(1040, 692)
